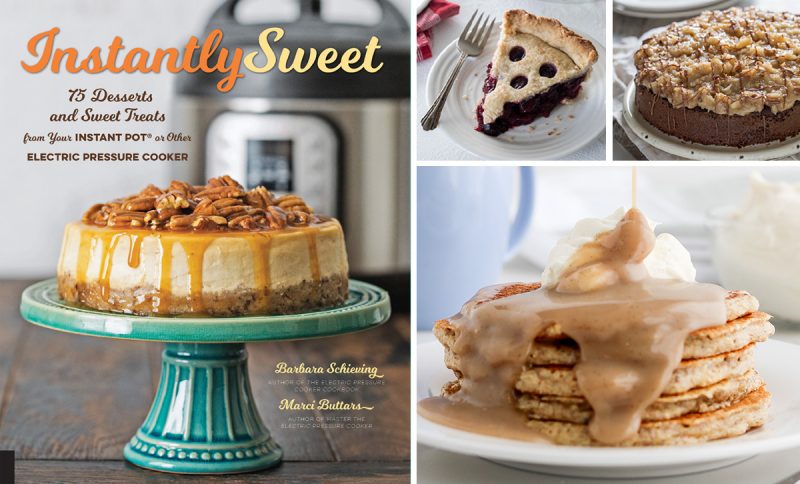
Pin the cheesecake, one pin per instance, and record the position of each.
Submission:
(215, 249)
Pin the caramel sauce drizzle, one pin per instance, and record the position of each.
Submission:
(109, 248)
(84, 255)
(195, 253)
(261, 266)
(164, 301)
(134, 250)
(313, 256)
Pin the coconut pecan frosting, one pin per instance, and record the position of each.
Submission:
(221, 204)
(731, 62)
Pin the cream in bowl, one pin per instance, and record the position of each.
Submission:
(756, 244)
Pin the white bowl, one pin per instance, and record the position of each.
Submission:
(750, 257)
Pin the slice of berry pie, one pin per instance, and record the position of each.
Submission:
(539, 63)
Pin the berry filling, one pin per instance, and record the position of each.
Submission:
(519, 82)
(516, 54)
(548, 70)
(526, 111)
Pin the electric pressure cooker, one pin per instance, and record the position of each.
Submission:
(340, 140)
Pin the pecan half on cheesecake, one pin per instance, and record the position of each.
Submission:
(728, 77)
(214, 249)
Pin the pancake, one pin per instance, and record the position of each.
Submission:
(748, 413)
(746, 325)
(714, 392)
(738, 333)
(737, 304)
(699, 400)
(695, 373)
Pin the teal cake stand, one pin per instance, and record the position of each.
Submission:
(203, 419)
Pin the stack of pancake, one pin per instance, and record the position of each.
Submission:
(714, 393)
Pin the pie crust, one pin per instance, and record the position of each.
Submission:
(538, 64)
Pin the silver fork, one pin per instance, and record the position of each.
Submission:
(470, 44)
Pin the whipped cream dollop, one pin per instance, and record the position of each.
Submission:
(668, 260)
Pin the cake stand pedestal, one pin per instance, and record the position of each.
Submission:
(203, 419)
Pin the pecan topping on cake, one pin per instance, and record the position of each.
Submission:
(730, 62)
(222, 204)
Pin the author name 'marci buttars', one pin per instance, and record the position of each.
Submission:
(323, 404)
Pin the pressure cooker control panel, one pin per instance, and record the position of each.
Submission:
(284, 152)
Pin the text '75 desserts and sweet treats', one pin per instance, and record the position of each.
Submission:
(617, 346)
(214, 249)
(539, 63)
(727, 78)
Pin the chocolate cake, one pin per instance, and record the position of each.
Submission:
(728, 78)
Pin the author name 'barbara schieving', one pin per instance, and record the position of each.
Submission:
(334, 368)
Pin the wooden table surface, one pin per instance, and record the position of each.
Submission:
(70, 403)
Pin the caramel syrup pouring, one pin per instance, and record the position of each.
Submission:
(630, 328)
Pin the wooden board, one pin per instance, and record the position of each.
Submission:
(118, 472)
(70, 403)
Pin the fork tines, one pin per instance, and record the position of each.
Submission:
(476, 31)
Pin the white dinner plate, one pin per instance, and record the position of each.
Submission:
(673, 14)
(570, 126)
(421, 4)
(664, 5)
(693, 151)
(776, 361)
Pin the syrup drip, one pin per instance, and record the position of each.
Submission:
(261, 267)
(109, 248)
(134, 250)
(84, 255)
(195, 253)
(163, 303)
(312, 253)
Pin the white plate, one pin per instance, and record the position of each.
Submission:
(775, 361)
(578, 123)
(421, 4)
(675, 14)
(693, 151)
(664, 5)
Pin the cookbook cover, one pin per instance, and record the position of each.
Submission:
(208, 272)
(445, 241)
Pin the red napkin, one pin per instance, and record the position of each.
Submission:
(435, 12)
